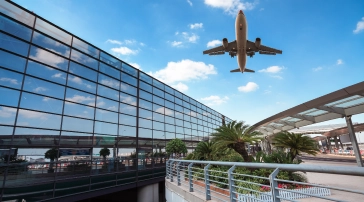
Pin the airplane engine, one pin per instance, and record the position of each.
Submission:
(257, 42)
(225, 43)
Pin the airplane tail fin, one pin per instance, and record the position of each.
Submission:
(245, 70)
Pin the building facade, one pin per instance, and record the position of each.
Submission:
(69, 102)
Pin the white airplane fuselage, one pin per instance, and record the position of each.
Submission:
(241, 30)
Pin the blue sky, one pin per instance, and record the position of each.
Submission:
(322, 45)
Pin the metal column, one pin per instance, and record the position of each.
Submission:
(353, 141)
(336, 142)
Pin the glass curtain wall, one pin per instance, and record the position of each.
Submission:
(69, 109)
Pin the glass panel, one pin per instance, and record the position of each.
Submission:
(83, 71)
(128, 89)
(46, 72)
(48, 58)
(81, 84)
(103, 115)
(130, 70)
(169, 120)
(17, 13)
(72, 138)
(84, 47)
(10, 79)
(170, 128)
(127, 120)
(128, 79)
(108, 92)
(145, 95)
(178, 115)
(158, 100)
(52, 31)
(186, 104)
(158, 117)
(50, 44)
(14, 28)
(13, 44)
(158, 134)
(145, 114)
(169, 104)
(178, 101)
(158, 84)
(127, 131)
(145, 133)
(186, 98)
(29, 136)
(84, 59)
(109, 71)
(169, 89)
(41, 103)
(145, 123)
(78, 125)
(158, 108)
(38, 119)
(127, 109)
(106, 128)
(106, 104)
(158, 125)
(11, 61)
(82, 111)
(145, 78)
(5, 135)
(108, 81)
(170, 136)
(128, 99)
(11, 98)
(179, 122)
(7, 115)
(42, 87)
(145, 104)
(110, 60)
(80, 97)
(104, 141)
(158, 92)
(178, 94)
(145, 86)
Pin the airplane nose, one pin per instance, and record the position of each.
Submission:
(241, 12)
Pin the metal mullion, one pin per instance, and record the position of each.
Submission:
(17, 113)
(137, 129)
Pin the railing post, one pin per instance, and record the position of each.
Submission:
(167, 169)
(274, 184)
(178, 174)
(190, 177)
(171, 170)
(231, 184)
(207, 182)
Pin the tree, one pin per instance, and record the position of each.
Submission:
(296, 143)
(176, 146)
(204, 151)
(235, 135)
(104, 152)
(51, 154)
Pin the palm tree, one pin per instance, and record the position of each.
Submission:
(51, 154)
(235, 135)
(204, 151)
(104, 152)
(296, 143)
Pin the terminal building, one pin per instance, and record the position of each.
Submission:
(68, 102)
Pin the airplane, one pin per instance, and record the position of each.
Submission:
(242, 47)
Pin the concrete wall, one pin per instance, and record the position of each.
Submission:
(149, 193)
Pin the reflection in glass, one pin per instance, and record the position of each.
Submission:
(145, 104)
(145, 133)
(145, 86)
(33, 132)
(82, 71)
(107, 92)
(38, 119)
(52, 31)
(106, 128)
(158, 134)
(84, 59)
(127, 120)
(103, 115)
(11, 61)
(128, 99)
(145, 77)
(169, 120)
(158, 117)
(50, 44)
(158, 125)
(170, 136)
(170, 128)
(77, 110)
(130, 70)
(78, 125)
(110, 60)
(128, 89)
(11, 98)
(127, 131)
(104, 141)
(158, 84)
(7, 115)
(106, 104)
(15, 28)
(80, 97)
(108, 81)
(41, 103)
(48, 58)
(145, 123)
(82, 84)
(10, 79)
(129, 79)
(158, 92)
(14, 45)
(85, 47)
(17, 13)
(106, 69)
(75, 139)
(45, 72)
(42, 87)
(127, 109)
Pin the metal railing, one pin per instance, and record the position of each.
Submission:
(236, 181)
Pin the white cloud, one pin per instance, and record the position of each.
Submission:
(267, 92)
(359, 26)
(124, 51)
(100, 104)
(12, 81)
(31, 114)
(142, 44)
(340, 62)
(80, 98)
(276, 76)
(48, 58)
(196, 25)
(57, 75)
(189, 2)
(180, 86)
(215, 100)
(213, 43)
(76, 79)
(111, 83)
(114, 41)
(272, 69)
(192, 38)
(231, 6)
(135, 65)
(46, 99)
(317, 69)
(249, 87)
(176, 43)
(39, 89)
(184, 70)
(7, 112)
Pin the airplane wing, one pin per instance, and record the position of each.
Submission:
(262, 49)
(221, 50)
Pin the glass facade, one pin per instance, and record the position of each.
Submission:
(61, 94)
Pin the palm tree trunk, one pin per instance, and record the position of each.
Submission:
(240, 148)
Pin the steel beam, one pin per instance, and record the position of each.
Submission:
(354, 142)
(337, 110)
(304, 117)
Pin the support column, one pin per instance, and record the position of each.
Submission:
(149, 193)
(354, 142)
(336, 143)
(341, 144)
(328, 144)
